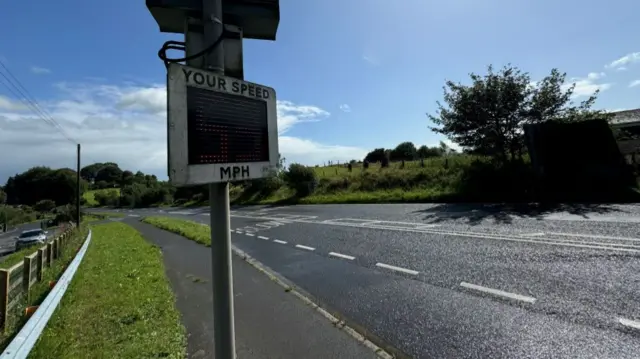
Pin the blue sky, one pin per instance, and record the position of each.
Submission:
(93, 65)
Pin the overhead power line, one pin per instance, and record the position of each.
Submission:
(23, 95)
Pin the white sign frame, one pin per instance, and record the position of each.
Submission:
(183, 174)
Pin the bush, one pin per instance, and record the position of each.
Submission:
(107, 198)
(46, 205)
(301, 179)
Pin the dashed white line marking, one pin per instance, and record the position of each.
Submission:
(279, 241)
(238, 229)
(498, 292)
(340, 255)
(629, 323)
(263, 237)
(239, 232)
(399, 269)
(250, 234)
(305, 247)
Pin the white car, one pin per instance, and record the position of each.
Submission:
(31, 237)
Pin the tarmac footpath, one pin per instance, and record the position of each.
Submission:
(269, 322)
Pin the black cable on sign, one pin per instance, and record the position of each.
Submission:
(181, 46)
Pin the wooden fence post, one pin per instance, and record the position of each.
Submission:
(26, 276)
(39, 260)
(49, 253)
(4, 298)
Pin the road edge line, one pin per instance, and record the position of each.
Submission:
(335, 320)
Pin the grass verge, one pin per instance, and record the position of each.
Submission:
(118, 305)
(193, 230)
(39, 290)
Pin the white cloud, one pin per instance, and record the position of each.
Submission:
(634, 83)
(152, 99)
(371, 60)
(595, 75)
(587, 86)
(309, 152)
(624, 60)
(126, 124)
(10, 105)
(40, 70)
(345, 108)
(290, 114)
(621, 68)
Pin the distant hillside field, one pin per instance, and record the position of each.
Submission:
(90, 196)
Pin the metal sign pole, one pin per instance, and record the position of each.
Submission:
(223, 318)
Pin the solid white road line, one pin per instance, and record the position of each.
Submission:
(534, 234)
(279, 241)
(305, 247)
(596, 236)
(399, 269)
(629, 323)
(250, 234)
(340, 255)
(263, 237)
(501, 293)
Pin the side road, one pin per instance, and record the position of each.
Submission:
(270, 323)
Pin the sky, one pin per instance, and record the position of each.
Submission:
(350, 75)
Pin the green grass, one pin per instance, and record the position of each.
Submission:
(118, 305)
(195, 231)
(90, 196)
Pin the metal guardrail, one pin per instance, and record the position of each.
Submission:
(21, 345)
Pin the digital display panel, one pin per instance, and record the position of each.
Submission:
(225, 128)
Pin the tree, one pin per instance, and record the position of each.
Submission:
(405, 151)
(487, 116)
(109, 173)
(376, 155)
(426, 151)
(45, 205)
(40, 183)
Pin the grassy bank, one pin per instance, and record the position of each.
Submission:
(188, 229)
(119, 304)
(90, 196)
(40, 289)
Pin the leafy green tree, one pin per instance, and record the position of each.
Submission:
(487, 116)
(406, 151)
(376, 155)
(45, 205)
(109, 173)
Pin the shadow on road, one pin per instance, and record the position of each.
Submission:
(504, 213)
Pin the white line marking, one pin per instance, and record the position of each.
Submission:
(279, 241)
(399, 269)
(263, 237)
(238, 229)
(305, 247)
(340, 255)
(534, 234)
(597, 236)
(250, 234)
(629, 323)
(239, 232)
(476, 235)
(501, 293)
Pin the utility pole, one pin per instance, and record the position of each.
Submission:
(221, 266)
(78, 190)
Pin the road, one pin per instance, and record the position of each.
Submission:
(8, 239)
(460, 281)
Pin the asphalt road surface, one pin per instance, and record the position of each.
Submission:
(8, 239)
(460, 281)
